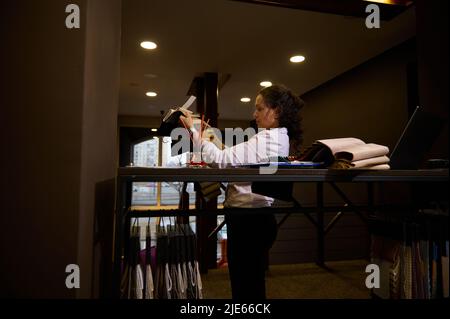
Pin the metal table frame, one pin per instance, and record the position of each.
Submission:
(126, 176)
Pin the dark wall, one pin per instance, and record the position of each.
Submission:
(42, 97)
(369, 102)
(58, 126)
(433, 66)
(99, 133)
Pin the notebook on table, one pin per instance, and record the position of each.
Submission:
(283, 162)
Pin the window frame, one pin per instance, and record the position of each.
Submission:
(158, 205)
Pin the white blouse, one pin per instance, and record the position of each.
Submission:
(264, 144)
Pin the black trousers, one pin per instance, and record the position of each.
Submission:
(249, 239)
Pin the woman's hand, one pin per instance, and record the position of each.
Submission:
(186, 118)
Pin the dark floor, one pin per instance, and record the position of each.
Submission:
(342, 279)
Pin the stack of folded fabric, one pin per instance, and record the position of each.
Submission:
(346, 164)
(368, 156)
(348, 153)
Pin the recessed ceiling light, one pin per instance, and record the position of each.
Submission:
(297, 59)
(151, 94)
(149, 45)
(265, 83)
(245, 99)
(154, 130)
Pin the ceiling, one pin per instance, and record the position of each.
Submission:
(250, 42)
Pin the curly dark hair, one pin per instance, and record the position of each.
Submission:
(288, 106)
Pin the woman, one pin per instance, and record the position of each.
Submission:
(277, 115)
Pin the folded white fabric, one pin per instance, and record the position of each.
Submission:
(363, 151)
(379, 160)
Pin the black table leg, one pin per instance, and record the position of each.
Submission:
(372, 215)
(320, 226)
(371, 199)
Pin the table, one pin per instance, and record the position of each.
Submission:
(128, 175)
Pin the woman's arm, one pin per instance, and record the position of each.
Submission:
(258, 148)
(243, 153)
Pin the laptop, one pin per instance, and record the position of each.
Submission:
(416, 140)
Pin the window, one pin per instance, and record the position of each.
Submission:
(155, 152)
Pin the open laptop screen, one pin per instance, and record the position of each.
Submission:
(416, 140)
